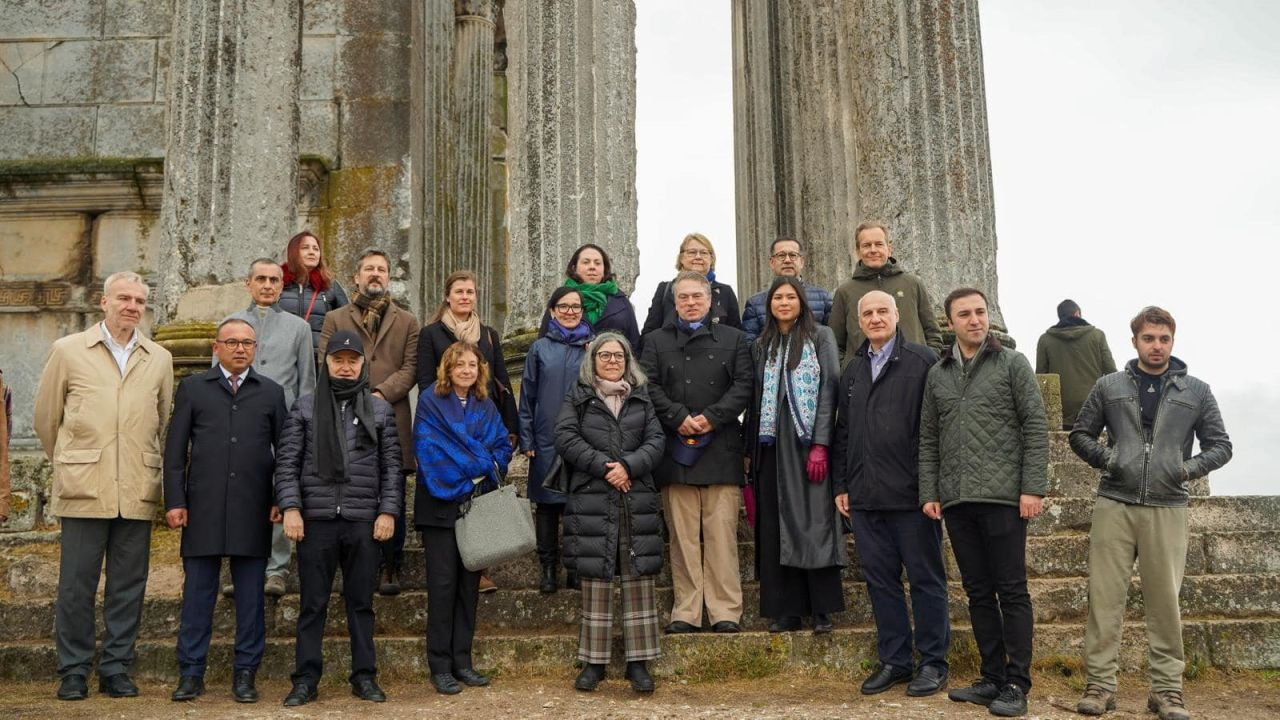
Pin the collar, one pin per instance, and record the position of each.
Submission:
(887, 348)
(253, 308)
(134, 341)
(990, 345)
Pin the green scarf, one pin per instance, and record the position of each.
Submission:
(594, 296)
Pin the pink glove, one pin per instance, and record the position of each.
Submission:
(817, 465)
(749, 501)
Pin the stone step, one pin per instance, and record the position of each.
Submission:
(1244, 644)
(1053, 600)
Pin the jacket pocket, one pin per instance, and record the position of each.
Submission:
(151, 490)
(77, 474)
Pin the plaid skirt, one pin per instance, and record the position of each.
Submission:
(639, 614)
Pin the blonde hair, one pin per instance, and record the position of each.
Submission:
(452, 356)
(700, 239)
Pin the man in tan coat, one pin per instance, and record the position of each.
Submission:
(101, 407)
(390, 336)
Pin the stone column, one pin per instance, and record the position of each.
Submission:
(849, 110)
(231, 156)
(572, 155)
(431, 148)
(473, 98)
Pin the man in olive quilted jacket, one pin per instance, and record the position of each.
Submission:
(984, 458)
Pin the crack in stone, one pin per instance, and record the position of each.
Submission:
(17, 80)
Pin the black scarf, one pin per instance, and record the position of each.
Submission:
(1071, 322)
(331, 436)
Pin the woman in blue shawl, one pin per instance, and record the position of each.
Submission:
(462, 449)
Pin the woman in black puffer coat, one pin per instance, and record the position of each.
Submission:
(309, 291)
(609, 438)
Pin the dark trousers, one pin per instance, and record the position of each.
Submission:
(886, 541)
(200, 592)
(990, 544)
(127, 547)
(393, 549)
(548, 517)
(325, 545)
(452, 595)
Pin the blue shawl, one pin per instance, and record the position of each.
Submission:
(455, 445)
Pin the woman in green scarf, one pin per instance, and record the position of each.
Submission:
(604, 306)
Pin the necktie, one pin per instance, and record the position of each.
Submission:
(235, 383)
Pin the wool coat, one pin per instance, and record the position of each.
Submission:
(708, 372)
(219, 458)
(916, 319)
(296, 298)
(104, 432)
(662, 309)
(1078, 353)
(435, 338)
(284, 352)
(588, 436)
(550, 372)
(618, 316)
(392, 358)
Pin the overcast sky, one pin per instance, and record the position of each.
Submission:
(1135, 162)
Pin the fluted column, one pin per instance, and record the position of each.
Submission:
(473, 97)
(231, 155)
(431, 148)
(571, 73)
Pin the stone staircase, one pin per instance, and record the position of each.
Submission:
(1230, 602)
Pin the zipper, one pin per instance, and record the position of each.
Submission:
(626, 503)
(1148, 438)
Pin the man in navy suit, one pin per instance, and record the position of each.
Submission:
(219, 461)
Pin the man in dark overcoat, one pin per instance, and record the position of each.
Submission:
(219, 460)
(700, 380)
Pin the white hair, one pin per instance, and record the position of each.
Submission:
(125, 276)
(893, 302)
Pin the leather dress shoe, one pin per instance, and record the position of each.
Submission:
(470, 677)
(73, 687)
(243, 689)
(117, 686)
(189, 687)
(638, 674)
(679, 627)
(446, 684)
(590, 677)
(726, 626)
(885, 677)
(822, 624)
(487, 585)
(928, 680)
(390, 584)
(301, 694)
(367, 689)
(785, 624)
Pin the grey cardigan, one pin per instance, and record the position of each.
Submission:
(285, 353)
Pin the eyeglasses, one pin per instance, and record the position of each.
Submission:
(233, 344)
(612, 356)
(787, 256)
(696, 252)
(569, 309)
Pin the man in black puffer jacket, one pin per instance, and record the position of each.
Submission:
(337, 482)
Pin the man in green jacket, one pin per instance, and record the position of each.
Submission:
(1077, 352)
(984, 458)
(877, 269)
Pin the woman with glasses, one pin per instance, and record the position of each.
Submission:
(696, 254)
(604, 306)
(309, 288)
(800, 545)
(610, 439)
(550, 371)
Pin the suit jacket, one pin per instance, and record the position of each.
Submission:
(392, 359)
(103, 431)
(285, 352)
(219, 460)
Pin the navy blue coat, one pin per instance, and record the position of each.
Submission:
(755, 313)
(550, 372)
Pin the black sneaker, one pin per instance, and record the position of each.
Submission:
(1011, 703)
(981, 692)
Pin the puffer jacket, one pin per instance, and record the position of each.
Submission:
(754, 314)
(373, 473)
(983, 432)
(1151, 469)
(916, 319)
(587, 437)
(295, 298)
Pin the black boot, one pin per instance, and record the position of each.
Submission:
(571, 579)
(547, 527)
(638, 674)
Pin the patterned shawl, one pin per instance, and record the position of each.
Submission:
(456, 445)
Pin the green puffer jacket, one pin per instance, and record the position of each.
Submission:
(1078, 353)
(983, 432)
(916, 319)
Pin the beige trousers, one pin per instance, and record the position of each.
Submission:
(704, 551)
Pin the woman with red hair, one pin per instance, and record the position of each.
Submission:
(309, 288)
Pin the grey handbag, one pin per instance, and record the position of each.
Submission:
(494, 528)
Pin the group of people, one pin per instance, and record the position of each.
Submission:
(822, 413)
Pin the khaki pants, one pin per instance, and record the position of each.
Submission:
(706, 571)
(1157, 537)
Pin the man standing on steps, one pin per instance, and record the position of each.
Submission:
(1151, 411)
(219, 457)
(284, 355)
(389, 335)
(877, 269)
(984, 460)
(786, 259)
(101, 408)
(876, 468)
(1077, 352)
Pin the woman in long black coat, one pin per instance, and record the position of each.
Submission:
(609, 436)
(800, 546)
(605, 307)
(697, 255)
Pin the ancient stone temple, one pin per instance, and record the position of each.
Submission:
(183, 138)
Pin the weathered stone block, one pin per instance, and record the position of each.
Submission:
(210, 303)
(373, 67)
(318, 134)
(1243, 552)
(1240, 512)
(27, 338)
(1072, 479)
(125, 241)
(45, 19)
(100, 71)
(137, 18)
(1051, 391)
(372, 16)
(319, 17)
(133, 131)
(1245, 644)
(47, 132)
(42, 248)
(23, 78)
(317, 68)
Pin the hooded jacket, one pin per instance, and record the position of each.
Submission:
(1077, 352)
(916, 319)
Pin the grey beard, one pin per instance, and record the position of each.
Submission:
(373, 292)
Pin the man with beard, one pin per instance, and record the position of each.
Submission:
(390, 338)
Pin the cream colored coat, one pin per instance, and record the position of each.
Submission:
(104, 432)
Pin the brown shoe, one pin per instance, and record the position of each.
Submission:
(274, 587)
(1168, 705)
(487, 585)
(1096, 701)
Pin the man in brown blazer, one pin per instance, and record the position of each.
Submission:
(390, 336)
(101, 408)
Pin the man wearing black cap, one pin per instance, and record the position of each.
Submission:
(337, 482)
